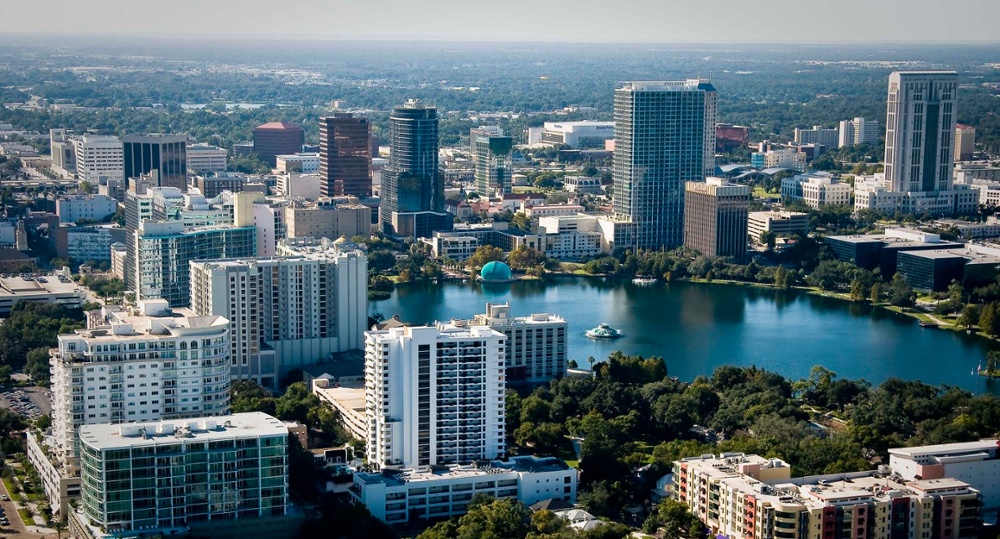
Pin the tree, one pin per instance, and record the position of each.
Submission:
(875, 295)
(484, 255)
(678, 521)
(969, 316)
(381, 260)
(36, 365)
(901, 294)
(857, 290)
(768, 238)
(524, 257)
(781, 278)
(248, 396)
(989, 320)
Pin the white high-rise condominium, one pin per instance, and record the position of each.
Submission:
(664, 137)
(285, 312)
(920, 130)
(143, 365)
(434, 395)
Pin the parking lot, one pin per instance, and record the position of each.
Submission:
(30, 402)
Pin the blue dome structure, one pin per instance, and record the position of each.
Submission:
(495, 271)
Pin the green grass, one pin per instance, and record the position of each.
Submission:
(25, 516)
(10, 488)
(759, 192)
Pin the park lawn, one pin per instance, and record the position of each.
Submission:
(759, 192)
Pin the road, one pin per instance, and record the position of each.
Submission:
(17, 527)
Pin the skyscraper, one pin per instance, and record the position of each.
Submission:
(345, 160)
(492, 157)
(664, 136)
(715, 218)
(412, 185)
(435, 395)
(920, 130)
(167, 154)
(277, 138)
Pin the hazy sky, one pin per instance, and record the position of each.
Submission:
(659, 21)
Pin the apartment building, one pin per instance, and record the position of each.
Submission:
(328, 218)
(73, 208)
(285, 312)
(750, 497)
(536, 344)
(457, 371)
(163, 477)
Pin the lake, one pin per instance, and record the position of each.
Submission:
(696, 327)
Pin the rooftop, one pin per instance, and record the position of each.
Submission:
(523, 464)
(108, 436)
(278, 125)
(945, 449)
(37, 285)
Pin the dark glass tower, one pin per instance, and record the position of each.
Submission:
(412, 202)
(167, 154)
(345, 159)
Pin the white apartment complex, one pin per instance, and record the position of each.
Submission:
(145, 364)
(536, 344)
(426, 493)
(434, 395)
(858, 131)
(99, 157)
(284, 312)
(828, 138)
(790, 158)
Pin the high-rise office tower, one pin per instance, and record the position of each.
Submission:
(345, 160)
(664, 137)
(98, 157)
(492, 156)
(920, 130)
(965, 142)
(412, 185)
(715, 218)
(166, 154)
(435, 395)
(277, 138)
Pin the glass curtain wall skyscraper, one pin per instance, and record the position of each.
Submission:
(166, 154)
(345, 159)
(412, 185)
(664, 137)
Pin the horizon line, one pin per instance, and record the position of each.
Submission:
(395, 38)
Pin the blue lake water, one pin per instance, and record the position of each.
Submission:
(698, 327)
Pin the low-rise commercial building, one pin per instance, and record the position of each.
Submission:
(205, 158)
(781, 223)
(348, 401)
(816, 189)
(585, 134)
(789, 158)
(73, 208)
(306, 163)
(872, 251)
(56, 288)
(399, 495)
(583, 184)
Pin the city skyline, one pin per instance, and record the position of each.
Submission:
(726, 21)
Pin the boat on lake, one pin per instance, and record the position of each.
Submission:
(604, 331)
(644, 281)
